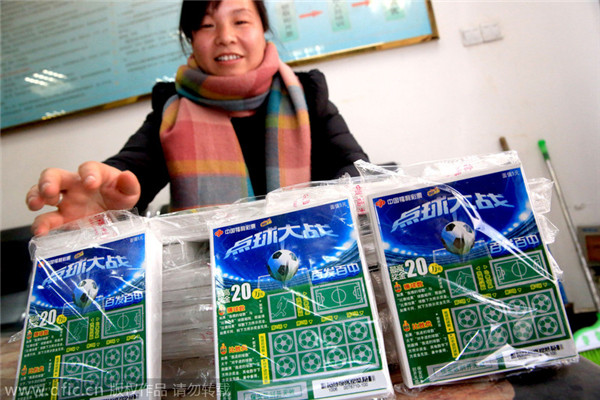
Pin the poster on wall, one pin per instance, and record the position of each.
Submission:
(310, 30)
(60, 57)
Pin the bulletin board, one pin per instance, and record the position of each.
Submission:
(309, 30)
(62, 57)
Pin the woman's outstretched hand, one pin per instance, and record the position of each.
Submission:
(96, 187)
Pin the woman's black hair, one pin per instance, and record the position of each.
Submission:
(193, 12)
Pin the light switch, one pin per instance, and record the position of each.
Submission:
(471, 36)
(490, 32)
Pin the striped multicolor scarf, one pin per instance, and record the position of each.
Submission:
(203, 155)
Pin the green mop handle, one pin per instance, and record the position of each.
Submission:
(544, 149)
(570, 226)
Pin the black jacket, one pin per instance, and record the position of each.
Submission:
(333, 148)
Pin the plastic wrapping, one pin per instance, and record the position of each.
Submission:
(93, 321)
(187, 324)
(295, 312)
(376, 261)
(187, 304)
(188, 340)
(471, 286)
(354, 186)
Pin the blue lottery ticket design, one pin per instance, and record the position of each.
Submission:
(294, 308)
(468, 277)
(86, 331)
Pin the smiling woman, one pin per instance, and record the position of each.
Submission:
(230, 39)
(237, 122)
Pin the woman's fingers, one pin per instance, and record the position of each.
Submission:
(96, 187)
(129, 189)
(43, 223)
(52, 182)
(46, 191)
(128, 184)
(93, 174)
(117, 189)
(33, 199)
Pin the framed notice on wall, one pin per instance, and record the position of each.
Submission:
(306, 30)
(60, 57)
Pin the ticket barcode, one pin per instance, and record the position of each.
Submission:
(348, 382)
(372, 382)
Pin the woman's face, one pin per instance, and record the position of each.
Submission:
(231, 39)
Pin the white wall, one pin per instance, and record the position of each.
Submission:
(419, 103)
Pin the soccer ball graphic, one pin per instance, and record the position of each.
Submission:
(308, 339)
(468, 318)
(85, 293)
(357, 331)
(283, 265)
(458, 237)
(473, 340)
(498, 336)
(542, 303)
(286, 366)
(336, 358)
(547, 325)
(311, 362)
(362, 354)
(522, 330)
(332, 335)
(492, 314)
(283, 343)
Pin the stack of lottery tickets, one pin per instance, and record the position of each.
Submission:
(188, 331)
(93, 323)
(187, 323)
(467, 275)
(295, 313)
(274, 298)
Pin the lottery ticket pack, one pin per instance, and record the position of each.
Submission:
(93, 321)
(187, 323)
(468, 277)
(295, 313)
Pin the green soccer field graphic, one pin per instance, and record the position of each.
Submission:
(515, 320)
(115, 323)
(511, 271)
(96, 372)
(327, 348)
(335, 297)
